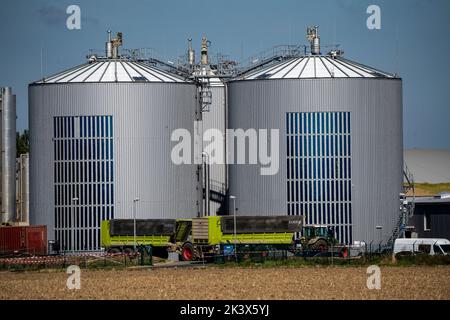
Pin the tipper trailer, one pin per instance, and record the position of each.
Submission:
(203, 237)
(219, 235)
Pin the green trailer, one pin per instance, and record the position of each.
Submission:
(118, 235)
(219, 235)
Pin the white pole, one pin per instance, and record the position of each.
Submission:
(134, 223)
(74, 200)
(207, 182)
(234, 219)
(379, 228)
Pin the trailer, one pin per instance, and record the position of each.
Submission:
(120, 235)
(219, 236)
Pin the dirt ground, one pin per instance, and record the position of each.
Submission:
(231, 283)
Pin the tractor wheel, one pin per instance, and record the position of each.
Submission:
(320, 245)
(187, 252)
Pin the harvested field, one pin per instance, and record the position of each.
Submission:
(231, 283)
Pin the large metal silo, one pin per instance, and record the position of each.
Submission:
(340, 148)
(101, 142)
(8, 155)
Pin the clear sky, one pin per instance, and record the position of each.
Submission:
(413, 41)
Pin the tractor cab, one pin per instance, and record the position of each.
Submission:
(322, 231)
(313, 231)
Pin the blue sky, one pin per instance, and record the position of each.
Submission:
(413, 42)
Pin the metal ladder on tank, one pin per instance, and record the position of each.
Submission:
(205, 95)
(406, 207)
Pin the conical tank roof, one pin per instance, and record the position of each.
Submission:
(315, 66)
(112, 70)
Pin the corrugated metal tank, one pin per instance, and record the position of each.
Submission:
(8, 154)
(354, 189)
(100, 137)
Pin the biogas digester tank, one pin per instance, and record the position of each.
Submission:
(340, 148)
(100, 140)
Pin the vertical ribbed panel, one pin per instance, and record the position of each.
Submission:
(376, 135)
(144, 117)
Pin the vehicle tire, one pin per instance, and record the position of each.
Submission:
(187, 252)
(320, 245)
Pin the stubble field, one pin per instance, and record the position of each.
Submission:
(231, 283)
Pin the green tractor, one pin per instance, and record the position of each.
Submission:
(317, 238)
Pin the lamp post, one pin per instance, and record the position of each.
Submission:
(379, 228)
(134, 222)
(207, 182)
(234, 231)
(74, 201)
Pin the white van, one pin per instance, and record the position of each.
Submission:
(422, 245)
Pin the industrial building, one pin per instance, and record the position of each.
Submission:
(100, 147)
(431, 217)
(341, 142)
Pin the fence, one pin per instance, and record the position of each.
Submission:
(86, 260)
(349, 254)
(360, 254)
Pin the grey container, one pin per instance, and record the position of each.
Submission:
(136, 111)
(314, 85)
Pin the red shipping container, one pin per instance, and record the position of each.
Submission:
(30, 240)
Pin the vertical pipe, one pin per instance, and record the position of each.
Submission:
(134, 225)
(135, 200)
(109, 46)
(198, 148)
(8, 155)
(207, 178)
(204, 52)
(234, 228)
(191, 53)
(226, 137)
(22, 189)
(26, 189)
(115, 52)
